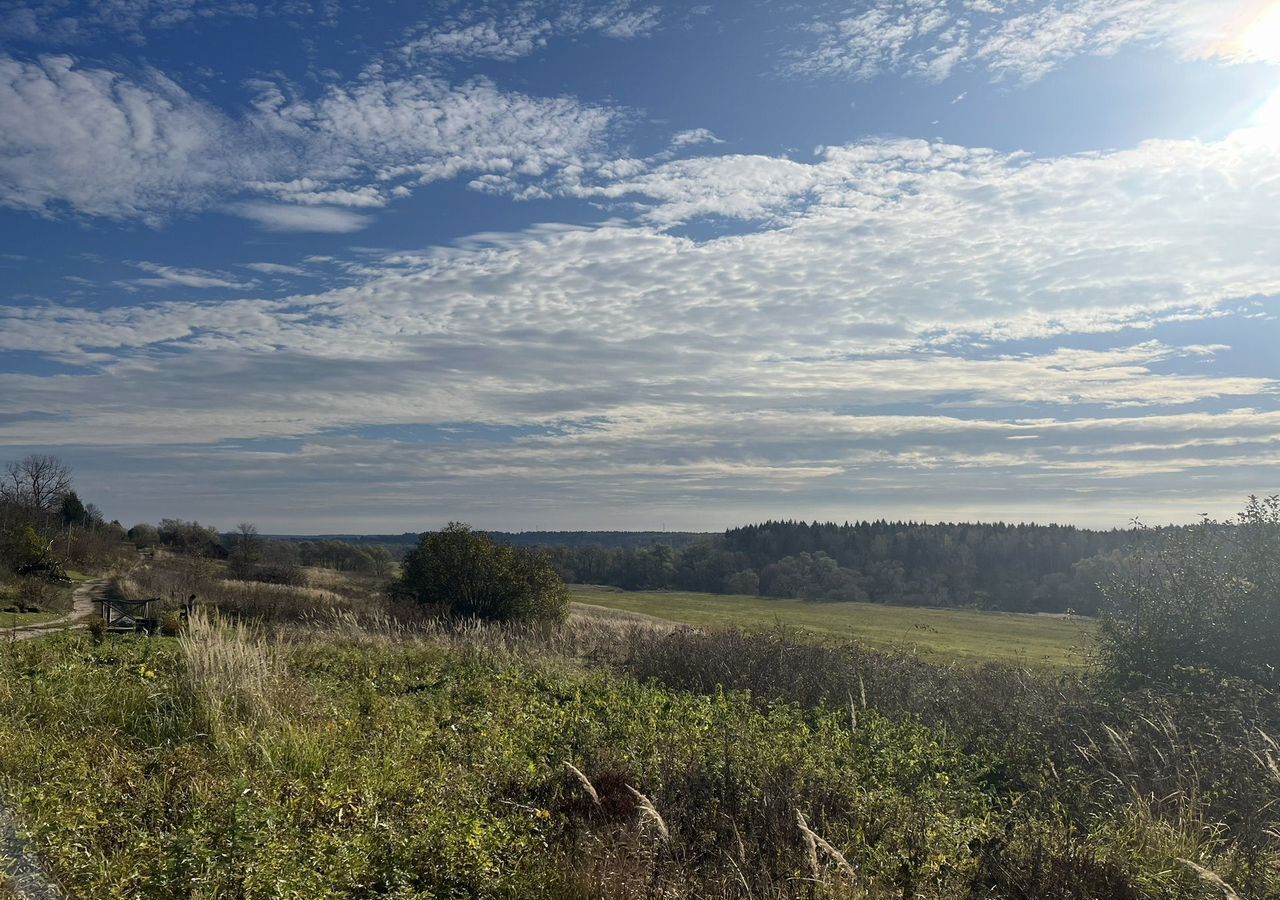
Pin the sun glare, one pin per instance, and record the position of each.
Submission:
(1267, 118)
(1261, 38)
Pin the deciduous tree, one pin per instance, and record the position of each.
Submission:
(464, 574)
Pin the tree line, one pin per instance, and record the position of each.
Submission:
(45, 528)
(44, 524)
(1014, 567)
(252, 554)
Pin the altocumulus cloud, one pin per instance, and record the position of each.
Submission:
(102, 143)
(506, 32)
(639, 366)
(1022, 39)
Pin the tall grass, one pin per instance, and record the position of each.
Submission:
(230, 672)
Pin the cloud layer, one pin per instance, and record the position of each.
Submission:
(103, 144)
(509, 31)
(1020, 39)
(861, 344)
(877, 323)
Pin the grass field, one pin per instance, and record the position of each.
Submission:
(943, 634)
(18, 620)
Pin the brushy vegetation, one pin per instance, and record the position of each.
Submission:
(33, 595)
(317, 741)
(321, 593)
(358, 757)
(1201, 603)
(45, 532)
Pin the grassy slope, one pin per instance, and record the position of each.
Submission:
(19, 620)
(937, 633)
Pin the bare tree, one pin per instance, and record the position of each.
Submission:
(38, 482)
(248, 541)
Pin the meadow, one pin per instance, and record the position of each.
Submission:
(318, 740)
(938, 634)
(10, 620)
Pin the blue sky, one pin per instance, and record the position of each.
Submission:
(376, 266)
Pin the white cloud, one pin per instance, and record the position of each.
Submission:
(874, 247)
(169, 276)
(692, 137)
(422, 129)
(49, 21)
(103, 144)
(1024, 39)
(270, 268)
(284, 217)
(106, 145)
(314, 192)
(490, 32)
(850, 351)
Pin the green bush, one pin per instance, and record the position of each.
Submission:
(461, 574)
(22, 548)
(1200, 603)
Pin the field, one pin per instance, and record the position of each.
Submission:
(18, 620)
(321, 740)
(941, 634)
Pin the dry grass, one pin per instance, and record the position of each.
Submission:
(231, 673)
(813, 841)
(1211, 878)
(174, 580)
(649, 813)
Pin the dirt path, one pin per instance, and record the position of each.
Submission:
(19, 871)
(84, 604)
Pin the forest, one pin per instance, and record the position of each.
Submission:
(1012, 567)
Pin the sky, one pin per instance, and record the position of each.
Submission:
(376, 266)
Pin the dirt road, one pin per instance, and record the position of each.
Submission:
(84, 605)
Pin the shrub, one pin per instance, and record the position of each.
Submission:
(171, 623)
(144, 536)
(23, 548)
(38, 595)
(293, 576)
(1200, 601)
(464, 574)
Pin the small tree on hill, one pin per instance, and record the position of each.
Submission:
(73, 511)
(23, 549)
(246, 548)
(464, 574)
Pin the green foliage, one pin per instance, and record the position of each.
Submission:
(341, 556)
(171, 623)
(73, 511)
(1017, 568)
(442, 775)
(437, 769)
(22, 548)
(464, 574)
(1201, 602)
(144, 535)
(190, 537)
